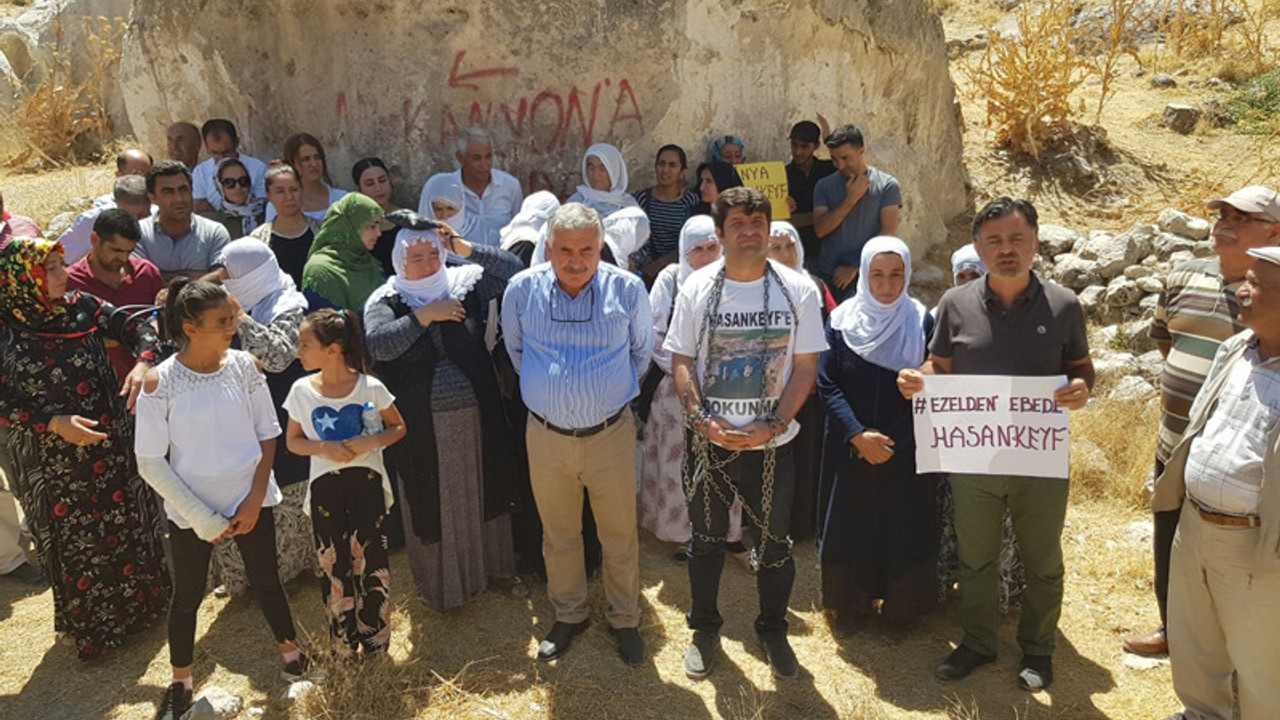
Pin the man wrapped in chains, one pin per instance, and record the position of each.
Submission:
(744, 337)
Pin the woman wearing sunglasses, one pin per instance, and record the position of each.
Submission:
(241, 212)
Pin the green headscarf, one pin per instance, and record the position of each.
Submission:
(339, 267)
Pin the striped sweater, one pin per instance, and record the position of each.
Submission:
(1196, 313)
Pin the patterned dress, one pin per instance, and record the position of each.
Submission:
(95, 523)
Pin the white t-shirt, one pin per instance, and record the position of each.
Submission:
(326, 418)
(209, 425)
(204, 181)
(751, 352)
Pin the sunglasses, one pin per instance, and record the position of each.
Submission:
(243, 181)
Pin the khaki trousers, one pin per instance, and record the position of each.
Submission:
(605, 464)
(1224, 617)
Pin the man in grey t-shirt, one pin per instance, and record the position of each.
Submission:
(1009, 323)
(178, 242)
(850, 207)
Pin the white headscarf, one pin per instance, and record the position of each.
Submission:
(628, 228)
(531, 222)
(966, 258)
(446, 188)
(782, 227)
(695, 231)
(448, 281)
(892, 335)
(616, 197)
(257, 282)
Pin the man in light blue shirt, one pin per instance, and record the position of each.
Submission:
(580, 333)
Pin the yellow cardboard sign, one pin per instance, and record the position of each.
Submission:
(769, 178)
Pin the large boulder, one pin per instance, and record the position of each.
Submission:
(1056, 240)
(1179, 223)
(1110, 253)
(1122, 292)
(1077, 273)
(400, 79)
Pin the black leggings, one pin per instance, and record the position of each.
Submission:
(191, 572)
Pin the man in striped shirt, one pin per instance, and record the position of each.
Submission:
(1196, 313)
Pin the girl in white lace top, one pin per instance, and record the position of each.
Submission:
(205, 439)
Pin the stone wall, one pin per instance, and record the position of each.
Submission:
(398, 79)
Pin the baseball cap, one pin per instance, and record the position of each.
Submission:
(805, 131)
(1252, 199)
(1271, 254)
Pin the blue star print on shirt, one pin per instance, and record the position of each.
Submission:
(331, 424)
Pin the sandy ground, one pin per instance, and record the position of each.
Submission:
(486, 649)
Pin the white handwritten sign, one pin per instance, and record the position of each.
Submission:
(991, 425)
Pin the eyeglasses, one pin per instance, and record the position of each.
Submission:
(1237, 220)
(572, 311)
(243, 181)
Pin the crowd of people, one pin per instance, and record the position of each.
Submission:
(505, 385)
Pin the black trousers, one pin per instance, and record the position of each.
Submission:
(347, 512)
(710, 517)
(191, 573)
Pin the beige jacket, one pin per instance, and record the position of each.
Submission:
(1171, 486)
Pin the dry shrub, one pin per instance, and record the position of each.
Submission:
(63, 120)
(1230, 34)
(1112, 449)
(1196, 28)
(1124, 22)
(1027, 79)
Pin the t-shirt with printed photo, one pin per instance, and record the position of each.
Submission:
(744, 365)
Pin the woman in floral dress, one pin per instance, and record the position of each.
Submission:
(95, 523)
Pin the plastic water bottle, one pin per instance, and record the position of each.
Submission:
(371, 419)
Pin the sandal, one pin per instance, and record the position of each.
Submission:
(511, 586)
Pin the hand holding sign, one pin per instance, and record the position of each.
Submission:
(991, 424)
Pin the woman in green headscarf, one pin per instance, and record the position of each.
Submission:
(341, 272)
(70, 437)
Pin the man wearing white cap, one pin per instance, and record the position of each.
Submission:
(1224, 594)
(1196, 312)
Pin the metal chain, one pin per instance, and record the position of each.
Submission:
(699, 473)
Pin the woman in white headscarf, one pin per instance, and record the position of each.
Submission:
(424, 330)
(808, 503)
(663, 507)
(528, 229)
(604, 189)
(272, 309)
(881, 534)
(442, 200)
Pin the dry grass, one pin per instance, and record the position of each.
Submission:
(43, 195)
(1232, 39)
(63, 119)
(1113, 444)
(1026, 80)
(1121, 39)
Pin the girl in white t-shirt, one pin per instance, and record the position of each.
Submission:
(205, 439)
(342, 417)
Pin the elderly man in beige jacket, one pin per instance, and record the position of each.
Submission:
(1224, 594)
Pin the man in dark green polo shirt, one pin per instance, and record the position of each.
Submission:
(1011, 323)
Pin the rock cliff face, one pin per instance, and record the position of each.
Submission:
(398, 79)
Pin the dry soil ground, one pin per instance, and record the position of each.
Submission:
(476, 662)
